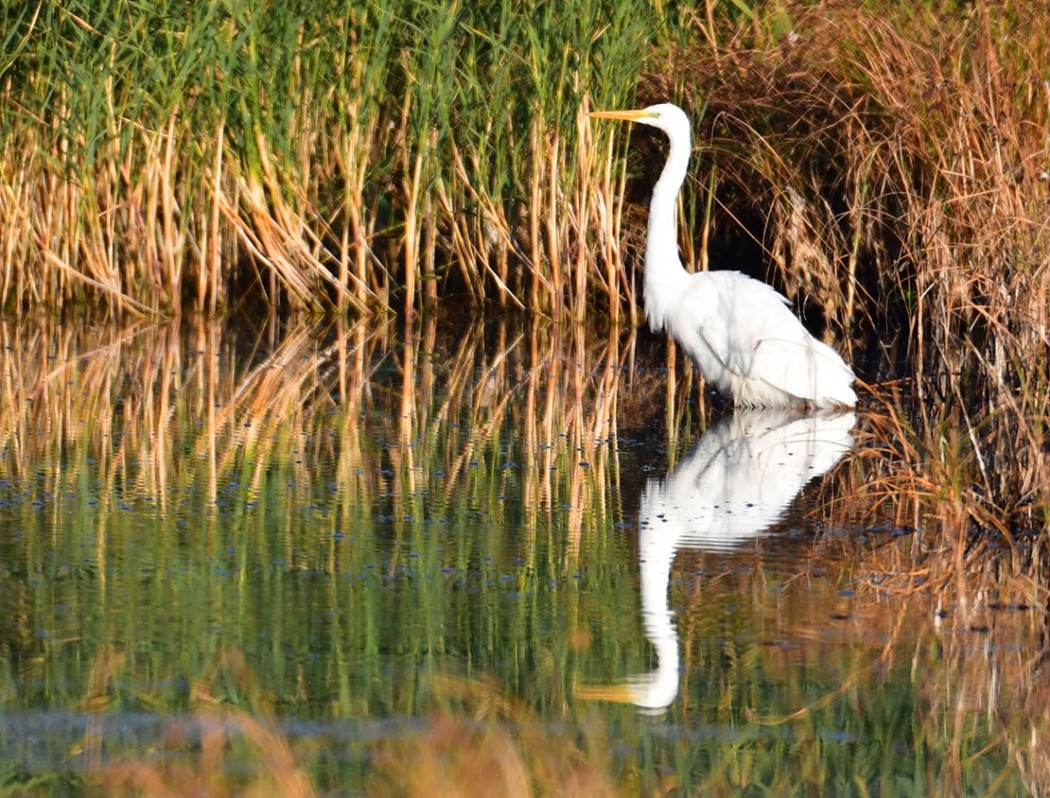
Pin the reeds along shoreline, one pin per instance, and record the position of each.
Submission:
(889, 164)
(347, 156)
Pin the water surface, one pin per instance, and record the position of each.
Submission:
(412, 558)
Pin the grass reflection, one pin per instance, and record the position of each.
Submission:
(385, 560)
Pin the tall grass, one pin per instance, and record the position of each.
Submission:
(167, 155)
(888, 162)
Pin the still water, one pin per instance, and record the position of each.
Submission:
(493, 558)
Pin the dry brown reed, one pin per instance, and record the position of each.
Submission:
(158, 407)
(171, 772)
(890, 163)
(490, 742)
(494, 743)
(975, 482)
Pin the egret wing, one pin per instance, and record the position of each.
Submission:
(806, 368)
(746, 328)
(731, 315)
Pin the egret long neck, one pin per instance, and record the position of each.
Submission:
(664, 273)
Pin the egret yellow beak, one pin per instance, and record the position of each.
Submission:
(630, 116)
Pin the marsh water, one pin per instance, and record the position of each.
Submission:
(393, 558)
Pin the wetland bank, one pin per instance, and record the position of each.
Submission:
(317, 536)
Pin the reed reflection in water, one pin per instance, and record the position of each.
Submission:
(393, 525)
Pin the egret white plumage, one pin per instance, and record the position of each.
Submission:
(739, 331)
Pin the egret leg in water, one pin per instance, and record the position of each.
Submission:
(739, 332)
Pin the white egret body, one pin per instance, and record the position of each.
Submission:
(739, 332)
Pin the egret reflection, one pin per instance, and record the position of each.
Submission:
(734, 485)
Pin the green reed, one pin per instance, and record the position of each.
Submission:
(331, 155)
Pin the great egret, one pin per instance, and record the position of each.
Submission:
(738, 331)
(737, 482)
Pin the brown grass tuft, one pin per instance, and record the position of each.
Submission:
(889, 163)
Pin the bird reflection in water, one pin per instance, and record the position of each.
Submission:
(735, 484)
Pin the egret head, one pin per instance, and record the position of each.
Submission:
(667, 117)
